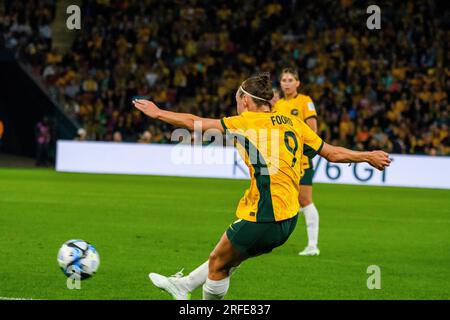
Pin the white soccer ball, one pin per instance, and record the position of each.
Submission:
(78, 259)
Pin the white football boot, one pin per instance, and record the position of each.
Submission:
(310, 251)
(171, 284)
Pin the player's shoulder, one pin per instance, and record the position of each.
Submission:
(303, 98)
(247, 118)
(297, 121)
(306, 103)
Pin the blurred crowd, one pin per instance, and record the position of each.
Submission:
(386, 88)
(25, 27)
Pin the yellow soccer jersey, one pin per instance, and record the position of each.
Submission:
(271, 144)
(301, 106)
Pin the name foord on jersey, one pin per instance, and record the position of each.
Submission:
(281, 120)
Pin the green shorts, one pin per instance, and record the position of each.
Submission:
(255, 238)
(307, 178)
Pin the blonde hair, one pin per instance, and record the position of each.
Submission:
(291, 71)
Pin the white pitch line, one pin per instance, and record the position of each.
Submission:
(12, 298)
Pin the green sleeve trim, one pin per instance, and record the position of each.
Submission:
(321, 146)
(223, 124)
(310, 152)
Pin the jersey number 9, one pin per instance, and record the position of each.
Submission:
(287, 136)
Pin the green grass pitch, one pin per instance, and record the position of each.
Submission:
(143, 224)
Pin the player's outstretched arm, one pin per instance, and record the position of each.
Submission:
(377, 159)
(185, 120)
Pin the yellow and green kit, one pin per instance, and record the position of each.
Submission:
(272, 145)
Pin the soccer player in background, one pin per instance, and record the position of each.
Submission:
(302, 107)
(267, 213)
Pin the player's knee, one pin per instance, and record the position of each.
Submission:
(217, 267)
(213, 258)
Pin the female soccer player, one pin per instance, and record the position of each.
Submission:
(267, 213)
(302, 107)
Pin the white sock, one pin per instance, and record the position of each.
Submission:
(215, 290)
(312, 223)
(196, 278)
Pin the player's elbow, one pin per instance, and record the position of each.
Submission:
(190, 124)
(330, 153)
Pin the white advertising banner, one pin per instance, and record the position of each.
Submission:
(152, 159)
(405, 170)
(219, 162)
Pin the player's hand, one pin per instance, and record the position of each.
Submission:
(147, 107)
(379, 159)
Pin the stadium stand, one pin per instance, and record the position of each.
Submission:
(385, 88)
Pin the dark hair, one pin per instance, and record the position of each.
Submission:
(260, 86)
(291, 71)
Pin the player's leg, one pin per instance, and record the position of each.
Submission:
(197, 277)
(243, 239)
(222, 260)
(310, 212)
(181, 287)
